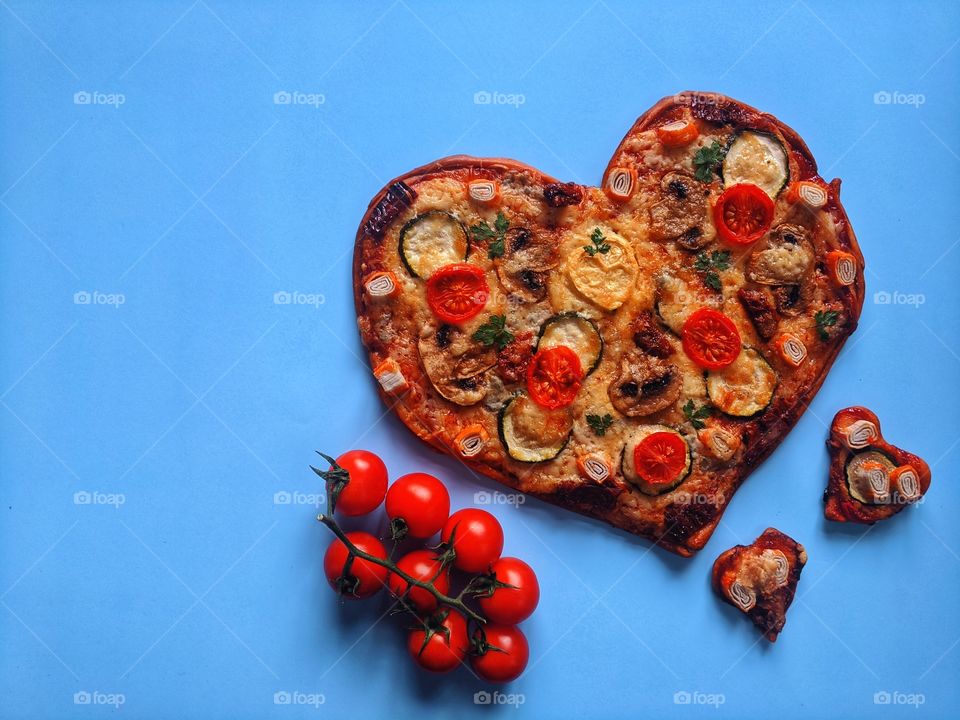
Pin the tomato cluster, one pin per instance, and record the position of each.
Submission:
(493, 594)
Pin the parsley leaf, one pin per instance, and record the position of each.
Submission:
(493, 236)
(600, 244)
(825, 319)
(706, 160)
(494, 332)
(696, 415)
(599, 424)
(708, 265)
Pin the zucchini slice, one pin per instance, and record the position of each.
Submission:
(743, 388)
(575, 332)
(868, 477)
(432, 240)
(530, 433)
(629, 471)
(758, 159)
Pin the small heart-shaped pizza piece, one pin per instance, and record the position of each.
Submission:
(870, 479)
(760, 579)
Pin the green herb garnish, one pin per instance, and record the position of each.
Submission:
(709, 265)
(494, 236)
(706, 160)
(600, 244)
(494, 332)
(599, 424)
(696, 415)
(825, 319)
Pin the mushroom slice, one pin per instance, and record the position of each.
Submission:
(644, 385)
(456, 366)
(524, 267)
(786, 258)
(681, 213)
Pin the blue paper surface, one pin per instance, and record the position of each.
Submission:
(181, 184)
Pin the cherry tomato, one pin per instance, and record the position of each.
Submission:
(508, 661)
(554, 377)
(660, 457)
(743, 214)
(477, 539)
(457, 292)
(678, 133)
(422, 565)
(710, 339)
(364, 577)
(511, 605)
(419, 503)
(367, 486)
(446, 647)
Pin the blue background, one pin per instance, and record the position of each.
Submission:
(199, 397)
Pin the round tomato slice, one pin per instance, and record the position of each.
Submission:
(743, 214)
(710, 339)
(660, 457)
(554, 377)
(457, 292)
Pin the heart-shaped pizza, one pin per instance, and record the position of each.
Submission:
(630, 351)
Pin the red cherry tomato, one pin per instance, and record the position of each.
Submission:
(457, 292)
(511, 605)
(710, 339)
(508, 661)
(446, 647)
(364, 578)
(554, 377)
(660, 457)
(367, 486)
(477, 539)
(420, 502)
(743, 214)
(421, 565)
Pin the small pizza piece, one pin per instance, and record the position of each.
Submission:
(382, 284)
(621, 183)
(870, 479)
(484, 191)
(390, 377)
(760, 579)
